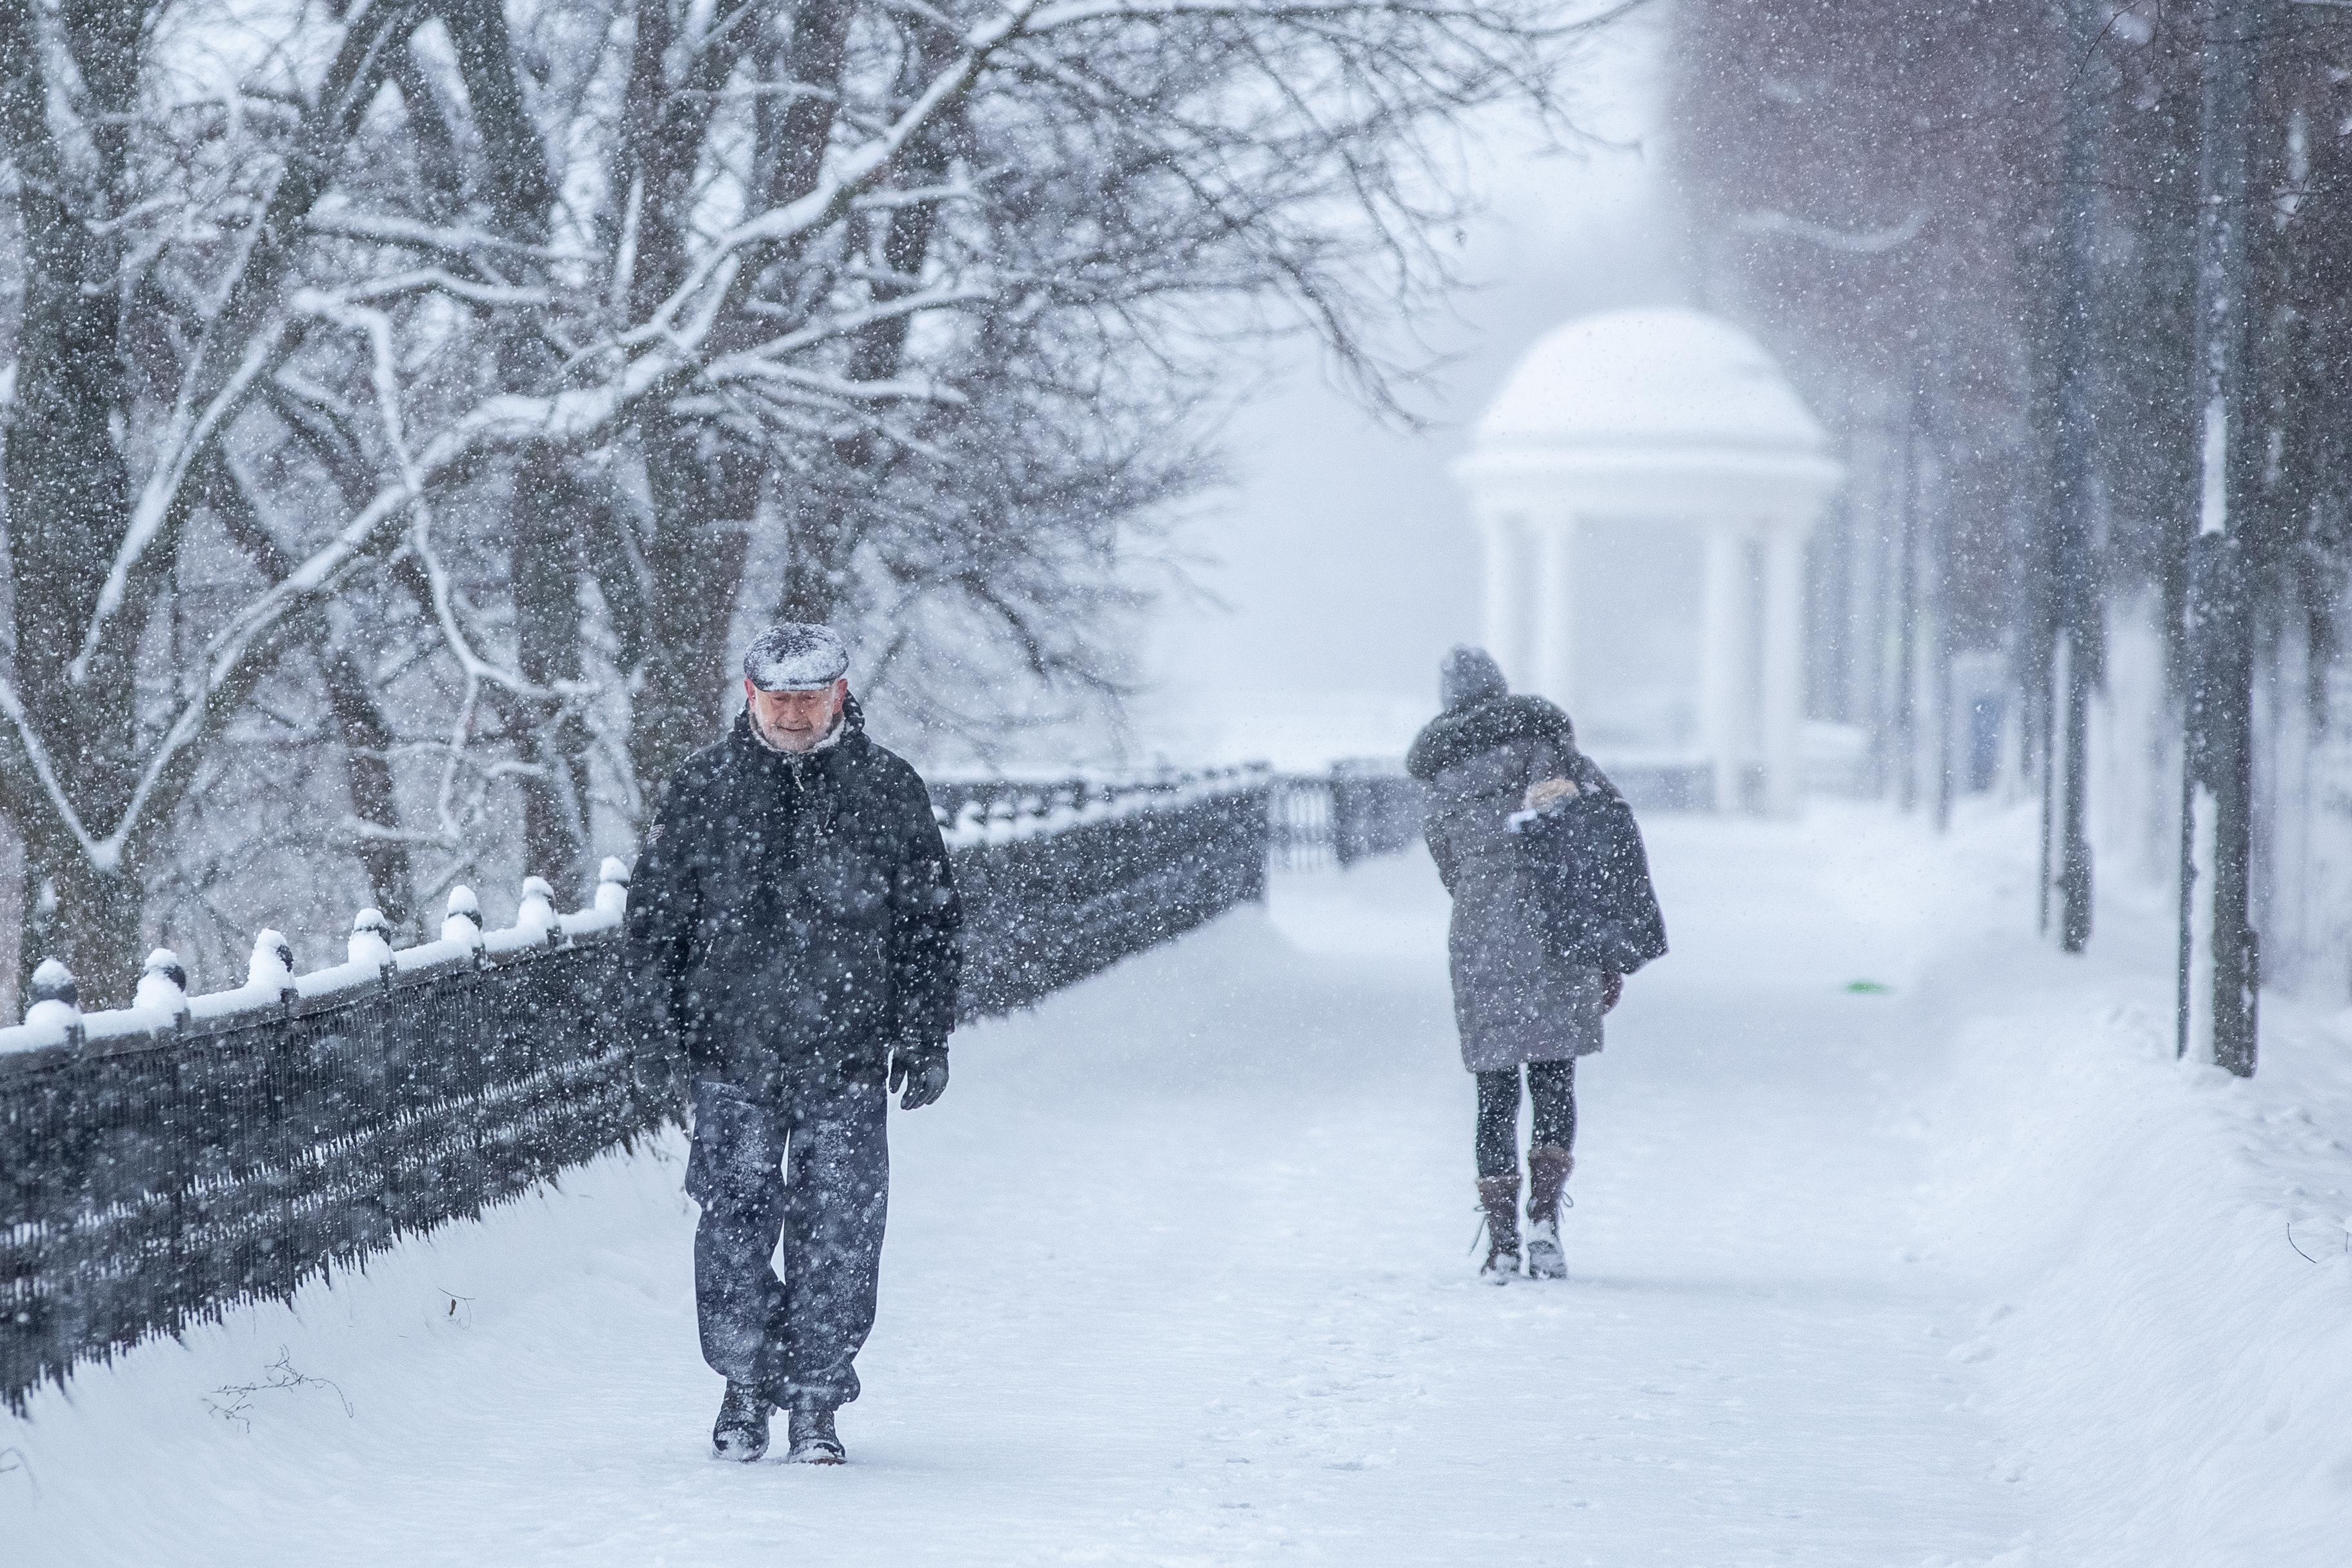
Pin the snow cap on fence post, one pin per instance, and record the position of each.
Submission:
(162, 984)
(464, 921)
(536, 911)
(272, 965)
(370, 942)
(613, 886)
(57, 999)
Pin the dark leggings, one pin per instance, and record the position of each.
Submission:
(1553, 1085)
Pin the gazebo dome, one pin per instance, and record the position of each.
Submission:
(1659, 376)
(1643, 484)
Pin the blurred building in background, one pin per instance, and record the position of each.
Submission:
(1643, 487)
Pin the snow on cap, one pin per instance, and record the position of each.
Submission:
(794, 656)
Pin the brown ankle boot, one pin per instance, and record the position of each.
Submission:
(1547, 1169)
(1499, 1196)
(1549, 1166)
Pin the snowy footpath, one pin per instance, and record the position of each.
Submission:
(1954, 1267)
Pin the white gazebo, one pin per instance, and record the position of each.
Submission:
(1644, 484)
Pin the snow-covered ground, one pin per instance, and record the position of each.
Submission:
(1966, 1271)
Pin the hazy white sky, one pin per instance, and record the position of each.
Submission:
(1344, 553)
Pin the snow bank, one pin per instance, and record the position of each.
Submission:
(2167, 1336)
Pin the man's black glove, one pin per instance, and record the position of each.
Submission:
(924, 1071)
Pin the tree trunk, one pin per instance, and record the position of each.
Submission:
(543, 557)
(702, 517)
(69, 493)
(826, 532)
(87, 920)
(368, 780)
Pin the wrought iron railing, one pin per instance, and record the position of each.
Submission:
(1357, 811)
(163, 1164)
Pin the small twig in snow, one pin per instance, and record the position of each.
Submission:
(236, 1398)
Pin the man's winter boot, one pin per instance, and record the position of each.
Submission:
(741, 1433)
(1547, 1169)
(813, 1440)
(1499, 1196)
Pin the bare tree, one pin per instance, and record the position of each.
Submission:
(435, 381)
(145, 324)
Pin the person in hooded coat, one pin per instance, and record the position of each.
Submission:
(1521, 1008)
(791, 947)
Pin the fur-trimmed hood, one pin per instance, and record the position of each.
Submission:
(1462, 733)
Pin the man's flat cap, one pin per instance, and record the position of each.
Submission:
(794, 656)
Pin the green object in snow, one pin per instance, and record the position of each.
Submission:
(1868, 988)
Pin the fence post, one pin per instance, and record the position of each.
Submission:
(464, 921)
(57, 999)
(371, 944)
(612, 887)
(538, 909)
(273, 965)
(163, 984)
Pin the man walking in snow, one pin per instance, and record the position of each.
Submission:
(793, 934)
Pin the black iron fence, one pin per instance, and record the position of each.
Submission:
(1082, 891)
(1360, 809)
(1357, 811)
(164, 1174)
(163, 1164)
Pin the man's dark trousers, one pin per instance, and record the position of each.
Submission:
(809, 1164)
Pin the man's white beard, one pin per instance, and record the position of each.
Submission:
(832, 734)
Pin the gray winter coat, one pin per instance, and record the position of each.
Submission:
(1514, 1001)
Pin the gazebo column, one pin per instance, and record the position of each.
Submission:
(1507, 607)
(1555, 619)
(1784, 668)
(1723, 641)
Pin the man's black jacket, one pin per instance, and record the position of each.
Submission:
(792, 915)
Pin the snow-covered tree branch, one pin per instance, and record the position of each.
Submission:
(528, 345)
